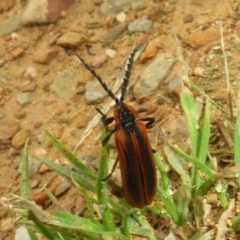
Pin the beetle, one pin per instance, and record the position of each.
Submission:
(135, 155)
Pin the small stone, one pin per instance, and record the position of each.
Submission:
(97, 2)
(138, 5)
(71, 39)
(175, 86)
(188, 18)
(63, 187)
(17, 52)
(21, 234)
(6, 225)
(46, 56)
(141, 25)
(19, 114)
(110, 52)
(38, 124)
(34, 166)
(30, 73)
(8, 130)
(31, 87)
(198, 71)
(34, 183)
(20, 138)
(121, 17)
(24, 98)
(99, 60)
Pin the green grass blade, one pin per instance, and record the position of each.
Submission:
(24, 174)
(68, 174)
(101, 186)
(70, 157)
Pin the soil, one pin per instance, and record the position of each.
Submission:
(68, 119)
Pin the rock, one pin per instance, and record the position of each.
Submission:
(141, 25)
(19, 114)
(46, 56)
(8, 130)
(22, 234)
(154, 74)
(24, 98)
(34, 166)
(117, 6)
(138, 5)
(156, 12)
(17, 52)
(198, 71)
(175, 86)
(63, 187)
(113, 34)
(34, 183)
(150, 52)
(94, 92)
(45, 11)
(97, 2)
(20, 138)
(110, 52)
(6, 225)
(121, 17)
(202, 38)
(188, 18)
(38, 124)
(31, 87)
(30, 73)
(10, 25)
(99, 60)
(71, 38)
(64, 84)
(53, 39)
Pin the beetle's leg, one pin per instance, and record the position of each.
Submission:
(112, 171)
(149, 121)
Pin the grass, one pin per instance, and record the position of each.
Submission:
(181, 206)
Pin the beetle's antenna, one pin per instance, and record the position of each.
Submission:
(128, 70)
(110, 93)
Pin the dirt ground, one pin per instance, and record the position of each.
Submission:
(67, 119)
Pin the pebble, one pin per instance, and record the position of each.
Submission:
(39, 12)
(156, 12)
(201, 38)
(34, 166)
(71, 39)
(154, 75)
(34, 183)
(97, 2)
(6, 224)
(10, 25)
(30, 73)
(17, 52)
(113, 34)
(8, 130)
(121, 17)
(64, 84)
(110, 52)
(21, 234)
(94, 92)
(24, 98)
(19, 139)
(19, 114)
(63, 187)
(138, 5)
(99, 60)
(38, 124)
(30, 87)
(175, 85)
(198, 71)
(141, 25)
(117, 6)
(46, 56)
(188, 18)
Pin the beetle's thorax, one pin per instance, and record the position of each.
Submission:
(125, 116)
